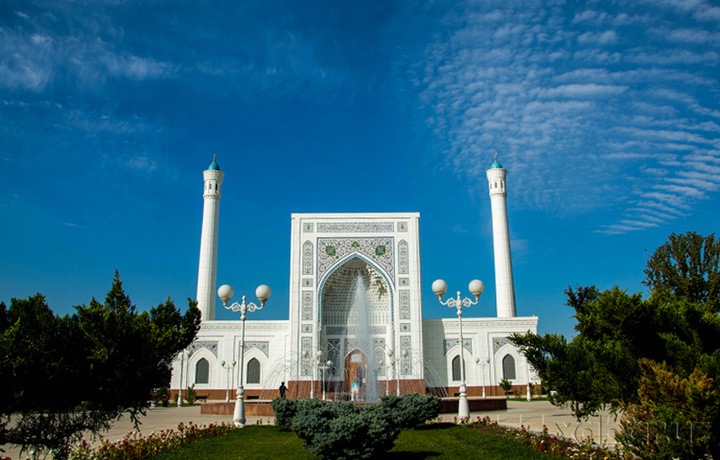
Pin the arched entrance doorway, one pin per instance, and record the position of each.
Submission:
(356, 305)
(356, 375)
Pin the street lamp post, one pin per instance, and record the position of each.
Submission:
(487, 363)
(310, 362)
(324, 366)
(391, 363)
(529, 395)
(225, 292)
(389, 374)
(380, 358)
(389, 377)
(228, 370)
(227, 387)
(316, 365)
(182, 358)
(476, 288)
(481, 364)
(231, 377)
(398, 368)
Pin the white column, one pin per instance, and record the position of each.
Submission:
(504, 287)
(207, 270)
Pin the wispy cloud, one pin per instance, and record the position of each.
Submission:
(32, 60)
(141, 163)
(574, 104)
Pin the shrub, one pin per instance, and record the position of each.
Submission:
(412, 409)
(342, 430)
(505, 385)
(161, 396)
(671, 420)
(191, 395)
(285, 410)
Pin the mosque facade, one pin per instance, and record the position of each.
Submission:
(355, 315)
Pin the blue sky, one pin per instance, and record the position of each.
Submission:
(606, 115)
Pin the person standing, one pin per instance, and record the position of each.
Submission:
(283, 390)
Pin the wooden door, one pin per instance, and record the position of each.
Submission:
(356, 366)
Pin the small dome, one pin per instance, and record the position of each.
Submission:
(496, 164)
(214, 166)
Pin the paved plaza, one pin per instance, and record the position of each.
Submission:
(533, 415)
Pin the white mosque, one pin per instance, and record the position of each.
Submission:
(355, 315)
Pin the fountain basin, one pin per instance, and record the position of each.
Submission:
(263, 407)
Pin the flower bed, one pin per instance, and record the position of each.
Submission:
(135, 446)
(547, 443)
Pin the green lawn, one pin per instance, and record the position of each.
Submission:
(440, 441)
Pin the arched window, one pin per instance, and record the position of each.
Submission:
(456, 368)
(202, 371)
(508, 363)
(253, 371)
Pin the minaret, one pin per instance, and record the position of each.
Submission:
(207, 270)
(501, 242)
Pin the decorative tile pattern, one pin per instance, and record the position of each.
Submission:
(306, 350)
(498, 343)
(405, 361)
(351, 343)
(335, 330)
(380, 250)
(402, 227)
(352, 330)
(404, 327)
(449, 343)
(404, 281)
(262, 346)
(355, 227)
(307, 306)
(211, 346)
(307, 328)
(404, 300)
(307, 282)
(403, 258)
(308, 228)
(307, 258)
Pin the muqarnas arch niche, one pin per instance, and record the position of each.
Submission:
(356, 311)
(338, 293)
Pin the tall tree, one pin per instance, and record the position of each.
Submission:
(65, 375)
(627, 345)
(687, 266)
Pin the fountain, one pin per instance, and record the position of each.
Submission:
(360, 365)
(283, 370)
(434, 383)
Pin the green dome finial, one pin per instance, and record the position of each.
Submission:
(214, 166)
(496, 164)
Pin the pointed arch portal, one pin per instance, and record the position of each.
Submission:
(356, 324)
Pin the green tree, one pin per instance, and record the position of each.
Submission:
(627, 345)
(65, 375)
(688, 267)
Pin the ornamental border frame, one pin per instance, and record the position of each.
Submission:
(340, 263)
